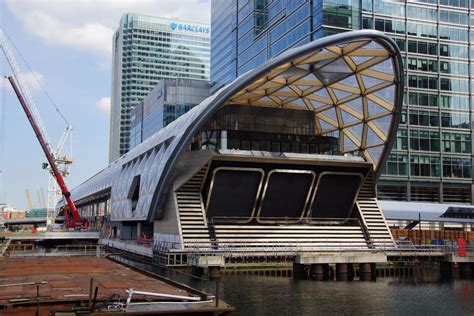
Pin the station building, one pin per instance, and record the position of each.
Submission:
(431, 160)
(287, 155)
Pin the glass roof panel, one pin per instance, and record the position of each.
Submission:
(341, 94)
(334, 71)
(356, 105)
(385, 66)
(356, 130)
(383, 123)
(372, 138)
(348, 144)
(266, 99)
(286, 89)
(387, 94)
(331, 113)
(325, 125)
(317, 104)
(307, 80)
(299, 103)
(350, 81)
(369, 82)
(320, 63)
(322, 93)
(360, 59)
(348, 118)
(290, 72)
(374, 108)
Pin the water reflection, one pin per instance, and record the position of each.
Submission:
(258, 295)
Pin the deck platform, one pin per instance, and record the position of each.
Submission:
(66, 286)
(90, 235)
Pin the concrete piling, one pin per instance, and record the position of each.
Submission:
(342, 272)
(365, 271)
(299, 271)
(214, 272)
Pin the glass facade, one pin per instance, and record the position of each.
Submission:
(433, 147)
(168, 100)
(148, 49)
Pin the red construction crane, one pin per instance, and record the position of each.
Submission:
(76, 220)
(72, 218)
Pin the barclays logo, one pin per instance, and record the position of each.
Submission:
(188, 27)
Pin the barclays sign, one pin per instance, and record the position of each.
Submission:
(189, 27)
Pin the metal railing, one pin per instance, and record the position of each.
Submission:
(417, 246)
(284, 248)
(29, 250)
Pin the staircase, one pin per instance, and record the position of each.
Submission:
(198, 234)
(191, 211)
(290, 237)
(379, 233)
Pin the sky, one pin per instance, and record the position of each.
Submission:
(68, 46)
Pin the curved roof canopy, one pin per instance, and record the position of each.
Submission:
(351, 87)
(353, 82)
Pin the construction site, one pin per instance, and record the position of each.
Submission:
(52, 262)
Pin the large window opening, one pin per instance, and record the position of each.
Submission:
(134, 193)
(239, 127)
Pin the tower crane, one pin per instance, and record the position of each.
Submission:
(57, 164)
(28, 199)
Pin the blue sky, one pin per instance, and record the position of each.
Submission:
(68, 46)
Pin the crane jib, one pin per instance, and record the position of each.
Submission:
(49, 156)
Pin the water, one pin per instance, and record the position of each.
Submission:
(259, 295)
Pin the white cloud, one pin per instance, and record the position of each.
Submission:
(33, 80)
(104, 104)
(88, 25)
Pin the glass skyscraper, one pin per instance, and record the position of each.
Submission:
(431, 159)
(147, 49)
(168, 100)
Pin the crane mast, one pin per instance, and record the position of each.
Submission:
(24, 96)
(28, 199)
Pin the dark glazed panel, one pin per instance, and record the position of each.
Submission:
(233, 193)
(335, 195)
(286, 194)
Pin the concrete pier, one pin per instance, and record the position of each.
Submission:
(300, 271)
(214, 272)
(342, 271)
(319, 272)
(365, 271)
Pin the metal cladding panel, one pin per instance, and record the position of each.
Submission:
(353, 82)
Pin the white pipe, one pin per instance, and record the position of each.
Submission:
(130, 293)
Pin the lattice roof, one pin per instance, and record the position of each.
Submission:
(350, 87)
